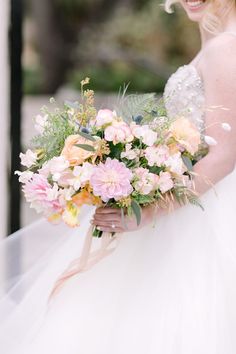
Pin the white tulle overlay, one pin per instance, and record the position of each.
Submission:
(166, 289)
(169, 288)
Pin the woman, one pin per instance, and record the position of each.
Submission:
(167, 289)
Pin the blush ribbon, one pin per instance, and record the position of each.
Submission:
(87, 259)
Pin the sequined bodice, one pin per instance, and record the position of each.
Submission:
(184, 95)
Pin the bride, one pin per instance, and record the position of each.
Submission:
(168, 288)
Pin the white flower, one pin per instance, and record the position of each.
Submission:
(40, 123)
(157, 155)
(82, 175)
(105, 116)
(175, 164)
(130, 153)
(144, 182)
(55, 167)
(210, 141)
(226, 127)
(143, 132)
(24, 176)
(53, 193)
(65, 195)
(29, 158)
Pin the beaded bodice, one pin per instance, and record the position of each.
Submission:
(184, 95)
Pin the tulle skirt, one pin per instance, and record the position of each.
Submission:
(169, 288)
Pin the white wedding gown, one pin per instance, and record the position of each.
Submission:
(169, 288)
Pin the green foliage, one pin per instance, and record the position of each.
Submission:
(110, 77)
(85, 147)
(143, 199)
(183, 195)
(52, 141)
(136, 105)
(137, 211)
(188, 162)
(115, 150)
(32, 81)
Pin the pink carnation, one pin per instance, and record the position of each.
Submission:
(42, 196)
(119, 132)
(157, 155)
(165, 182)
(111, 180)
(145, 182)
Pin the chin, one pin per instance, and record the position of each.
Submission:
(195, 9)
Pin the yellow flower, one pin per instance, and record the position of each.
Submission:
(70, 214)
(186, 134)
(85, 197)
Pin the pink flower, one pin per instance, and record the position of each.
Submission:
(143, 132)
(55, 167)
(165, 182)
(129, 153)
(104, 117)
(111, 180)
(145, 182)
(42, 196)
(175, 164)
(156, 155)
(119, 132)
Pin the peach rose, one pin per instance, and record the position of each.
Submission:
(186, 134)
(74, 154)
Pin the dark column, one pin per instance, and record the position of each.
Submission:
(15, 110)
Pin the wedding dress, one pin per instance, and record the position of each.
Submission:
(169, 288)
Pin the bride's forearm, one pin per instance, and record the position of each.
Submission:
(210, 170)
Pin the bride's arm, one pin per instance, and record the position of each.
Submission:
(218, 69)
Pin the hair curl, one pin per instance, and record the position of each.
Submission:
(212, 20)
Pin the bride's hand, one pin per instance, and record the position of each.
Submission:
(110, 220)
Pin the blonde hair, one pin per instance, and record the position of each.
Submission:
(212, 21)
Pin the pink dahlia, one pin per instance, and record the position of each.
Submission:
(111, 180)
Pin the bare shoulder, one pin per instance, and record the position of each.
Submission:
(220, 56)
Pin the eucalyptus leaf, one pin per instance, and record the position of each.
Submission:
(137, 211)
(87, 136)
(123, 218)
(85, 147)
(188, 163)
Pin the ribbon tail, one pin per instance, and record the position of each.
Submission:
(86, 261)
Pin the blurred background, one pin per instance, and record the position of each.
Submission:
(113, 42)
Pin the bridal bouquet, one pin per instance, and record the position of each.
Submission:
(127, 158)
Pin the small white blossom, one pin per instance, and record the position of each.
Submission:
(82, 175)
(226, 127)
(210, 141)
(24, 176)
(53, 193)
(29, 158)
(40, 123)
